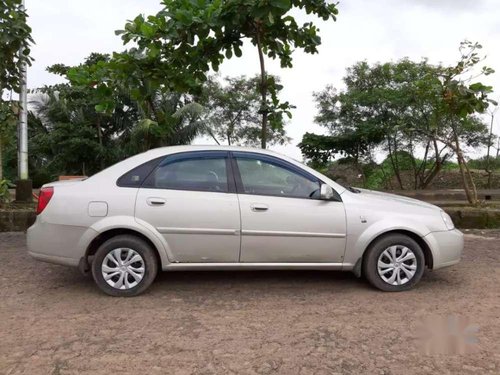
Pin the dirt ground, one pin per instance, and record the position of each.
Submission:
(55, 321)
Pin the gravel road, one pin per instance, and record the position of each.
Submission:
(54, 321)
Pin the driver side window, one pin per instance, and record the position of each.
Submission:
(266, 178)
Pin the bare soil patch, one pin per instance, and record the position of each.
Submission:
(55, 321)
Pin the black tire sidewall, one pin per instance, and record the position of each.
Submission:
(136, 244)
(371, 259)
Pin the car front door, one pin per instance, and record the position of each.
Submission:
(190, 199)
(282, 218)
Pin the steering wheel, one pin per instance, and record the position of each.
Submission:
(212, 173)
(294, 183)
(313, 192)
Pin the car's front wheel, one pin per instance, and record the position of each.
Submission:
(124, 266)
(394, 263)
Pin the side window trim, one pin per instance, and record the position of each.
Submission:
(192, 155)
(268, 159)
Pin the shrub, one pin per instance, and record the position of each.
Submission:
(4, 192)
(482, 163)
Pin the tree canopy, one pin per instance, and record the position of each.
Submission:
(15, 41)
(73, 130)
(401, 106)
(232, 112)
(185, 40)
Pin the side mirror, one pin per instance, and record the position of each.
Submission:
(326, 192)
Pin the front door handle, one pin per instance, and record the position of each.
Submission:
(156, 201)
(259, 207)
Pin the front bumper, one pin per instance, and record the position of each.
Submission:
(446, 247)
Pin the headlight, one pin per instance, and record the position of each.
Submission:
(447, 220)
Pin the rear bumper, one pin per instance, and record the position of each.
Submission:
(446, 247)
(54, 243)
(54, 259)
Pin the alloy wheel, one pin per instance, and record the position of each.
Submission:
(397, 265)
(123, 268)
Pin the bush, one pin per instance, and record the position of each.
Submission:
(377, 176)
(482, 163)
(4, 192)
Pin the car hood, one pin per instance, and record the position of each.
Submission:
(380, 197)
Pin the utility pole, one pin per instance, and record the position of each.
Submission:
(23, 185)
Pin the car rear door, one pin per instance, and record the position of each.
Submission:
(283, 220)
(190, 199)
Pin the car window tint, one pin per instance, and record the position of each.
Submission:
(136, 176)
(199, 174)
(265, 178)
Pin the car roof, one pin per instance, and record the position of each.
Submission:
(186, 148)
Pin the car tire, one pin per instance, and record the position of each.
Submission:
(124, 266)
(400, 256)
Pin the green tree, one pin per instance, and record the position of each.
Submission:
(15, 41)
(7, 131)
(166, 116)
(68, 135)
(232, 112)
(379, 108)
(461, 100)
(93, 120)
(350, 133)
(185, 38)
(401, 106)
(177, 121)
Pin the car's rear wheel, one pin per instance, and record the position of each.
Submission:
(394, 263)
(124, 266)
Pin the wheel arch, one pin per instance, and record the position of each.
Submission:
(106, 235)
(429, 260)
(113, 226)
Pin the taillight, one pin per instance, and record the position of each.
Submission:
(46, 194)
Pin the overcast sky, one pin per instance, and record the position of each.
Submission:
(68, 31)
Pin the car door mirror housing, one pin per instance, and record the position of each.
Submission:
(326, 192)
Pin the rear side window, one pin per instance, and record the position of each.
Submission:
(135, 177)
(197, 174)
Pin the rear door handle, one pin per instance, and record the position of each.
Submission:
(259, 207)
(156, 201)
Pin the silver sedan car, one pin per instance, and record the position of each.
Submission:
(232, 208)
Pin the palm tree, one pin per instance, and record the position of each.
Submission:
(166, 119)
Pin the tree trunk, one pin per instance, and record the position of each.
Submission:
(420, 172)
(468, 193)
(488, 169)
(470, 190)
(414, 166)
(394, 166)
(263, 92)
(436, 167)
(434, 172)
(473, 187)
